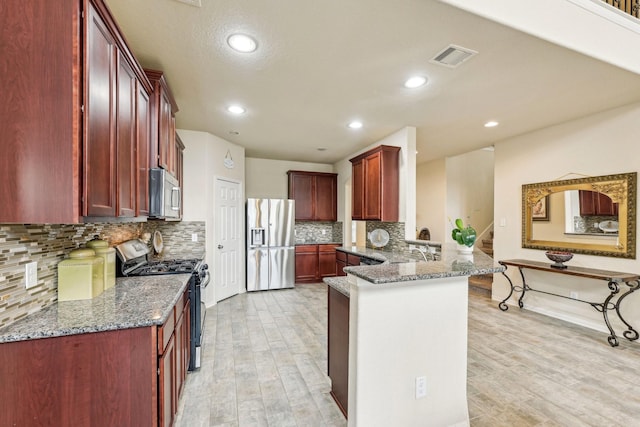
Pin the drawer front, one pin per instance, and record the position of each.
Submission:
(165, 331)
(303, 249)
(341, 256)
(327, 248)
(353, 259)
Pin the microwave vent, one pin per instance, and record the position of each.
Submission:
(452, 56)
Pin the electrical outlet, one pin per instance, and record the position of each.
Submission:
(31, 274)
(194, 237)
(421, 387)
(574, 295)
(324, 232)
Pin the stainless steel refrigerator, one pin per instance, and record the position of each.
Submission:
(270, 244)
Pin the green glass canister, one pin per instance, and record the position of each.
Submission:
(102, 249)
(81, 276)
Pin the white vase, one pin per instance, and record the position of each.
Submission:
(463, 249)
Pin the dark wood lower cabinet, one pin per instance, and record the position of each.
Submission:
(315, 262)
(343, 260)
(338, 347)
(127, 377)
(103, 378)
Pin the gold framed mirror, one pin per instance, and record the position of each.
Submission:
(592, 215)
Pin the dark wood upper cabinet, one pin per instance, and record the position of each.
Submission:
(69, 109)
(126, 139)
(375, 185)
(143, 154)
(163, 128)
(100, 118)
(593, 203)
(315, 194)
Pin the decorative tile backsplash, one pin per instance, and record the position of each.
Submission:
(318, 232)
(396, 235)
(48, 244)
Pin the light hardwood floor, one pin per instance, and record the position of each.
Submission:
(265, 362)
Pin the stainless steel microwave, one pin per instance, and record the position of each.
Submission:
(164, 195)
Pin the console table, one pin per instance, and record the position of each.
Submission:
(614, 280)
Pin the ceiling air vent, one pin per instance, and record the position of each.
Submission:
(452, 56)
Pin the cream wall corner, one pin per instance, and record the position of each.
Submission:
(203, 163)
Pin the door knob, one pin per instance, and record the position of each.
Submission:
(220, 246)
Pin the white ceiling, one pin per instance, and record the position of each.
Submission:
(321, 64)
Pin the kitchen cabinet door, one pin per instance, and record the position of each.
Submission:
(167, 384)
(301, 189)
(126, 143)
(144, 155)
(357, 188)
(306, 263)
(372, 195)
(100, 119)
(180, 169)
(326, 261)
(163, 130)
(326, 197)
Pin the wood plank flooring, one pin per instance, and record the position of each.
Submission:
(265, 362)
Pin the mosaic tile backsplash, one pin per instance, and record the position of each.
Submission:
(396, 235)
(48, 244)
(318, 232)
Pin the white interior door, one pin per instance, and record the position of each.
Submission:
(227, 255)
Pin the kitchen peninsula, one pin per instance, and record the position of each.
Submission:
(407, 339)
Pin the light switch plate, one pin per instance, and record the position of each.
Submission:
(194, 237)
(31, 274)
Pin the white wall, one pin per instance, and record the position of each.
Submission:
(404, 138)
(455, 187)
(601, 144)
(203, 163)
(470, 189)
(268, 178)
(431, 197)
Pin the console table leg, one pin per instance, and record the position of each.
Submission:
(524, 288)
(630, 334)
(502, 305)
(613, 340)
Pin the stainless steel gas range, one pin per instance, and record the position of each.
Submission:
(133, 260)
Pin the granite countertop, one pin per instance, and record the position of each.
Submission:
(339, 283)
(132, 303)
(380, 255)
(450, 264)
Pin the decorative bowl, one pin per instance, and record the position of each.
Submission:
(558, 258)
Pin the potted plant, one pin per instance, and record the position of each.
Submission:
(465, 237)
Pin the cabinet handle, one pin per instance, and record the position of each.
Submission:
(220, 246)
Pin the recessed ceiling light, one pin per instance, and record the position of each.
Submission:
(235, 109)
(321, 149)
(415, 81)
(242, 43)
(234, 132)
(491, 124)
(355, 124)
